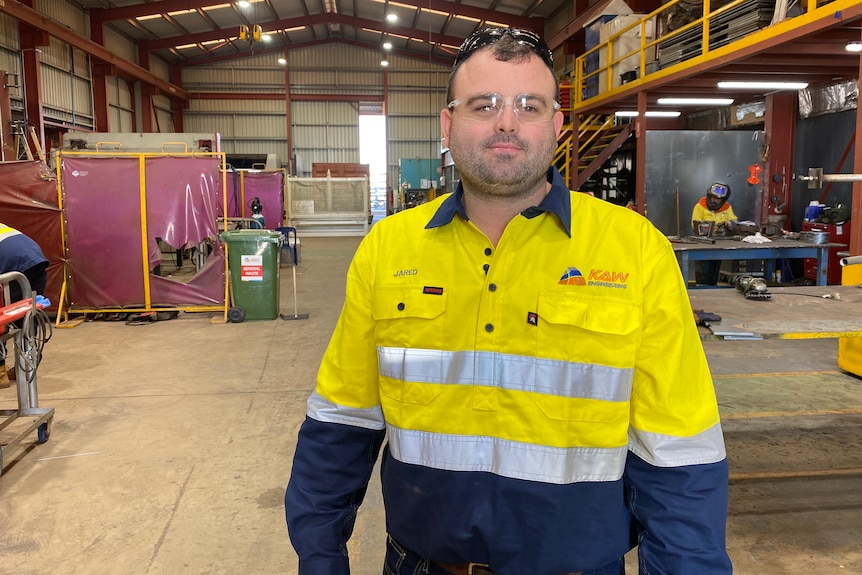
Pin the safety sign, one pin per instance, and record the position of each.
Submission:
(252, 268)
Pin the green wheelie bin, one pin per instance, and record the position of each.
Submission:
(253, 262)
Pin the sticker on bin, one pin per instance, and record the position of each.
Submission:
(252, 268)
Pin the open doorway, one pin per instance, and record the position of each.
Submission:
(372, 151)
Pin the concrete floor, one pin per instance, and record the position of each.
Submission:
(171, 446)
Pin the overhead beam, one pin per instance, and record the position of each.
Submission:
(536, 24)
(327, 18)
(33, 18)
(293, 97)
(203, 60)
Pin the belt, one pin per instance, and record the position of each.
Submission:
(474, 569)
(466, 568)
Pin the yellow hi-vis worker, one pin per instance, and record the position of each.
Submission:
(537, 382)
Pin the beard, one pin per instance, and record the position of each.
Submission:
(498, 175)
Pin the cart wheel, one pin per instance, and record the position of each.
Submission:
(235, 314)
(44, 432)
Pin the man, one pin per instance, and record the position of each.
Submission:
(19, 253)
(529, 353)
(714, 210)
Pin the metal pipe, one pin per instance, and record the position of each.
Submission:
(795, 474)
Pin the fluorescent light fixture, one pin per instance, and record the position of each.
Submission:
(763, 85)
(649, 114)
(282, 61)
(387, 45)
(695, 101)
(853, 46)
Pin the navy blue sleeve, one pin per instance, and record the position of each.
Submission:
(682, 517)
(331, 469)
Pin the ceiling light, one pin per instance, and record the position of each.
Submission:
(387, 45)
(853, 46)
(695, 101)
(282, 61)
(764, 85)
(391, 17)
(266, 38)
(650, 114)
(384, 63)
(243, 3)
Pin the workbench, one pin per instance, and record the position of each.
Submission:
(797, 312)
(697, 249)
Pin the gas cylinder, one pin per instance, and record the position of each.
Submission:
(257, 211)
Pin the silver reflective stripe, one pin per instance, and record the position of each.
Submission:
(6, 231)
(671, 451)
(506, 371)
(506, 458)
(322, 409)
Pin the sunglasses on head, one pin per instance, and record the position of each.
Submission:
(490, 36)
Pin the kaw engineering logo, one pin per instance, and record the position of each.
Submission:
(596, 277)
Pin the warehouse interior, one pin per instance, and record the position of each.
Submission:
(146, 142)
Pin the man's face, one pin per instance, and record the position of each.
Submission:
(713, 203)
(502, 156)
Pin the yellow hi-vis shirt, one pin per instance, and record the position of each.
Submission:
(545, 359)
(701, 213)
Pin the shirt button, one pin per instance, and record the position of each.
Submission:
(492, 287)
(400, 307)
(486, 267)
(488, 251)
(489, 327)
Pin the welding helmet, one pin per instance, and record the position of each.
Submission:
(717, 195)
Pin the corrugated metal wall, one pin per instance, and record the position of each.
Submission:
(417, 94)
(121, 112)
(326, 130)
(67, 93)
(247, 125)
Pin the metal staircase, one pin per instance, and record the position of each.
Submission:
(598, 139)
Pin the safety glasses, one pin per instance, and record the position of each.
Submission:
(490, 36)
(529, 108)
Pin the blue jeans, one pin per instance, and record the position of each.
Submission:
(401, 561)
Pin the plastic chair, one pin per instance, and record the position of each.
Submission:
(287, 245)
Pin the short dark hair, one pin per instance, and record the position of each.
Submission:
(507, 48)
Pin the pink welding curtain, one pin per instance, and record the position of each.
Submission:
(28, 202)
(102, 202)
(243, 186)
(266, 186)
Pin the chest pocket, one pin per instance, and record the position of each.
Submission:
(407, 317)
(588, 329)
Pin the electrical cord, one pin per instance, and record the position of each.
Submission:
(35, 332)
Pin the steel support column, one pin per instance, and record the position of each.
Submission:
(855, 246)
(8, 153)
(177, 104)
(780, 128)
(146, 92)
(640, 154)
(32, 39)
(288, 133)
(101, 72)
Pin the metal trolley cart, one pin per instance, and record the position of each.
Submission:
(26, 325)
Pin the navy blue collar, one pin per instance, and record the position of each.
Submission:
(557, 201)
